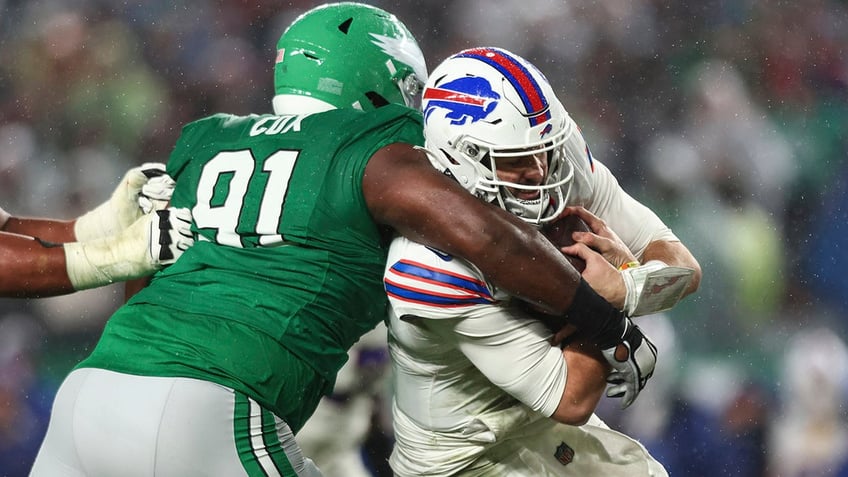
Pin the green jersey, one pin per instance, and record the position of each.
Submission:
(287, 262)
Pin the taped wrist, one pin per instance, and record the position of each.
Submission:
(96, 223)
(634, 282)
(654, 287)
(117, 213)
(112, 259)
(595, 317)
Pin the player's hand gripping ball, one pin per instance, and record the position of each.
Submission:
(559, 233)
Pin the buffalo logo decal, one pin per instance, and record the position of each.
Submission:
(468, 98)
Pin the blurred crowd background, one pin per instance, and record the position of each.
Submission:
(728, 117)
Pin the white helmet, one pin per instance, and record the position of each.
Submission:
(482, 104)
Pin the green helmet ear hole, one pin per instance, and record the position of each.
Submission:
(345, 26)
(376, 100)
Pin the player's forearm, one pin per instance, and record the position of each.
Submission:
(526, 265)
(674, 254)
(56, 231)
(35, 268)
(521, 261)
(29, 269)
(405, 192)
(587, 379)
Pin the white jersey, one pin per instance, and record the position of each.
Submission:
(472, 373)
(473, 376)
(466, 367)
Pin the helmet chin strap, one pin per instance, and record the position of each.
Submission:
(533, 211)
(525, 209)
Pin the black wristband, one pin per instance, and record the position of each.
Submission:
(595, 317)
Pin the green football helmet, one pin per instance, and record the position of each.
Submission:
(349, 55)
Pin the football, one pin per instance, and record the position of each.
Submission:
(559, 233)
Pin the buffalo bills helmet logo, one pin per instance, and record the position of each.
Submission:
(469, 98)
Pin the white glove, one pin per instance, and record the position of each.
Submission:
(172, 237)
(156, 193)
(150, 243)
(633, 360)
(125, 206)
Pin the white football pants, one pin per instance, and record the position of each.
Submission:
(105, 424)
